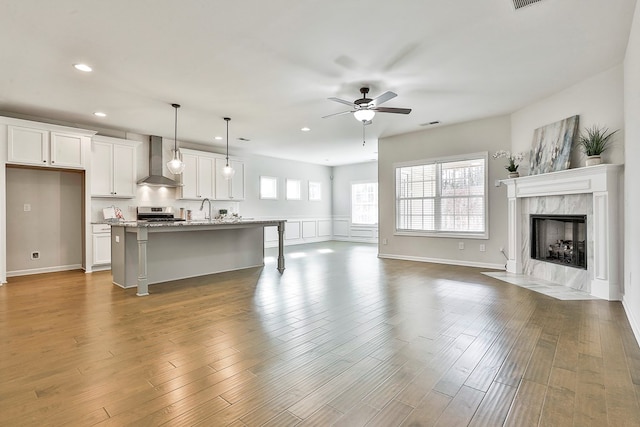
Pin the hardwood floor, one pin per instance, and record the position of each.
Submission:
(341, 338)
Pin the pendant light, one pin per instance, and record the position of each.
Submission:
(228, 171)
(176, 165)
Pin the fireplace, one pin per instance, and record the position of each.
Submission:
(559, 239)
(590, 191)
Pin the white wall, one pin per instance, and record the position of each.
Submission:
(631, 299)
(490, 135)
(52, 226)
(343, 177)
(598, 100)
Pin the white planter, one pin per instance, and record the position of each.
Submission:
(592, 161)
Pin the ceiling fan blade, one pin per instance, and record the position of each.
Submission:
(337, 114)
(393, 110)
(383, 98)
(342, 101)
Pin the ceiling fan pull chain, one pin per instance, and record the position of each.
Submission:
(363, 140)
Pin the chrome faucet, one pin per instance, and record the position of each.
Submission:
(202, 206)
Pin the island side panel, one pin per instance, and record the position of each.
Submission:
(192, 252)
(118, 264)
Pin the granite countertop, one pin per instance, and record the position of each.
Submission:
(192, 223)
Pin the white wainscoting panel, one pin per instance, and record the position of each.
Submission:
(341, 227)
(271, 234)
(343, 230)
(324, 228)
(298, 230)
(308, 229)
(292, 230)
(365, 233)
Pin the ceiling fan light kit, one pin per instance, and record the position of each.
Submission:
(364, 115)
(176, 165)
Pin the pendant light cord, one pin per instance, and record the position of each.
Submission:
(175, 134)
(227, 120)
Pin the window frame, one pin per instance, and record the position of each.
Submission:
(310, 192)
(484, 155)
(275, 186)
(361, 224)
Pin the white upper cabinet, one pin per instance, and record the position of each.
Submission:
(113, 167)
(28, 145)
(40, 144)
(198, 177)
(189, 177)
(65, 150)
(202, 177)
(231, 189)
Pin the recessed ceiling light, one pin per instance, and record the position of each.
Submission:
(83, 67)
(100, 114)
(218, 138)
(305, 129)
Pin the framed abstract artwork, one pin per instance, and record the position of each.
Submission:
(551, 147)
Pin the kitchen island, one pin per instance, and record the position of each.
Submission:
(143, 253)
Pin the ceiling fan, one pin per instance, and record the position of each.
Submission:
(364, 109)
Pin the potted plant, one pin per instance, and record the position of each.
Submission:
(594, 142)
(513, 161)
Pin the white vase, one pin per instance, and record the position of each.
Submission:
(592, 161)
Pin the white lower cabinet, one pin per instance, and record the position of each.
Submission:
(101, 244)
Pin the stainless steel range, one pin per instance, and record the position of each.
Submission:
(156, 214)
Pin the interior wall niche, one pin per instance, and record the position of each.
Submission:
(559, 239)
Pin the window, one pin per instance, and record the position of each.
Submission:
(364, 203)
(443, 197)
(315, 190)
(268, 187)
(293, 189)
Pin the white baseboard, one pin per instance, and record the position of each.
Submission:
(444, 261)
(633, 320)
(44, 270)
(100, 268)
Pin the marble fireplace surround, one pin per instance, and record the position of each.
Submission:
(593, 191)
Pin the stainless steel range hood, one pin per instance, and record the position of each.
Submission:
(155, 177)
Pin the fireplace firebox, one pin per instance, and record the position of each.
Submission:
(559, 239)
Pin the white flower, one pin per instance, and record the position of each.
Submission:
(513, 159)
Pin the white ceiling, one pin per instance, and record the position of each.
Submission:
(271, 65)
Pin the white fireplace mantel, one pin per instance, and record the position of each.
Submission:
(603, 182)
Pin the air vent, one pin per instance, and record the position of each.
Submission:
(519, 4)
(436, 122)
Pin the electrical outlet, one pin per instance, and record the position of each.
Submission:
(461, 245)
(483, 248)
(117, 239)
(385, 241)
(27, 207)
(35, 255)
